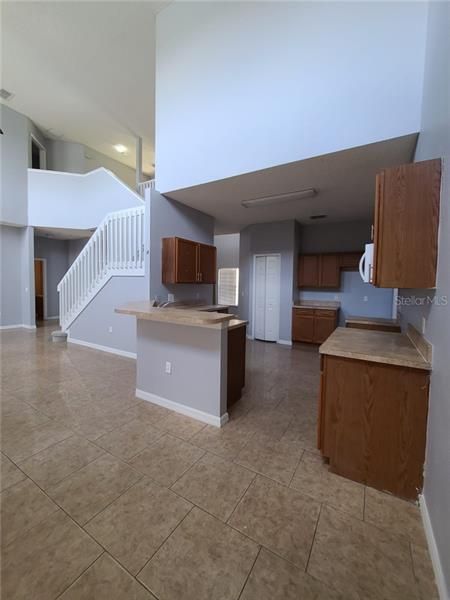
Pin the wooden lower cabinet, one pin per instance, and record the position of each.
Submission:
(313, 325)
(236, 363)
(372, 423)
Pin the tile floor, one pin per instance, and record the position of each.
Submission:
(107, 497)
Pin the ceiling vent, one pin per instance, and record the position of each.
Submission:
(313, 217)
(5, 95)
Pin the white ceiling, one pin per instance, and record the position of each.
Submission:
(84, 70)
(345, 182)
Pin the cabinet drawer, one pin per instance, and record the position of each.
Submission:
(303, 312)
(322, 312)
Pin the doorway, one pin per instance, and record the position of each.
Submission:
(39, 288)
(266, 285)
(38, 154)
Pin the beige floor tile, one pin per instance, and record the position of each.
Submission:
(313, 478)
(268, 422)
(214, 484)
(303, 431)
(203, 559)
(134, 526)
(360, 560)
(94, 427)
(129, 439)
(276, 459)
(9, 473)
(49, 467)
(180, 426)
(226, 441)
(44, 561)
(19, 416)
(106, 580)
(152, 413)
(279, 518)
(89, 490)
(22, 506)
(424, 573)
(395, 515)
(273, 578)
(167, 459)
(22, 445)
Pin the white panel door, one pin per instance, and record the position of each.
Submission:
(272, 298)
(267, 298)
(260, 297)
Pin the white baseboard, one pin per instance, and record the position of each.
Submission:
(108, 349)
(182, 409)
(284, 342)
(434, 552)
(250, 337)
(19, 326)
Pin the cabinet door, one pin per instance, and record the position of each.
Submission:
(308, 270)
(207, 263)
(302, 325)
(350, 260)
(330, 275)
(323, 327)
(406, 225)
(186, 261)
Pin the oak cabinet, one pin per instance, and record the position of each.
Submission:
(313, 325)
(372, 423)
(406, 225)
(324, 270)
(187, 261)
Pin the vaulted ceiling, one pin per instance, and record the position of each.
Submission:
(84, 71)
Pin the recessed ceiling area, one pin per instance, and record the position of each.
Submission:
(344, 182)
(57, 233)
(84, 71)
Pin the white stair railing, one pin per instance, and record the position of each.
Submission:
(145, 185)
(117, 247)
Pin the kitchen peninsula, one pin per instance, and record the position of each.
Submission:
(188, 359)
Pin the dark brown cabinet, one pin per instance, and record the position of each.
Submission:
(324, 270)
(406, 225)
(187, 261)
(372, 423)
(313, 325)
(236, 363)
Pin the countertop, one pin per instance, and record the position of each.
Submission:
(325, 304)
(201, 307)
(374, 346)
(198, 318)
(370, 320)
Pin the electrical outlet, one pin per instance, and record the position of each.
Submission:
(365, 298)
(168, 367)
(110, 329)
(170, 297)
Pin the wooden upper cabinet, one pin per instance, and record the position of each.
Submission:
(406, 225)
(308, 270)
(350, 260)
(329, 271)
(187, 261)
(207, 261)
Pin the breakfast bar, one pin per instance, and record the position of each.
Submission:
(183, 359)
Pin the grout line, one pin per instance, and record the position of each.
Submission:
(80, 575)
(314, 538)
(250, 572)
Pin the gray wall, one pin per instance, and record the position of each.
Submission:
(92, 325)
(356, 297)
(55, 253)
(169, 218)
(71, 157)
(268, 238)
(198, 357)
(16, 276)
(227, 250)
(434, 142)
(74, 247)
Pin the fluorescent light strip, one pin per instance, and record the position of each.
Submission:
(279, 198)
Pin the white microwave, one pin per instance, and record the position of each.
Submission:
(366, 264)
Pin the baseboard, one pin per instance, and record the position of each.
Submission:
(18, 326)
(434, 552)
(182, 409)
(108, 349)
(284, 342)
(51, 318)
(250, 337)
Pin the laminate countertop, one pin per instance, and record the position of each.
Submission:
(198, 318)
(319, 304)
(370, 321)
(374, 346)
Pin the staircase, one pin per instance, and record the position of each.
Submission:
(117, 248)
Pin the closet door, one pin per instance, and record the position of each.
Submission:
(260, 297)
(272, 298)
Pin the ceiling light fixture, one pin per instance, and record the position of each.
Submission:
(279, 198)
(120, 148)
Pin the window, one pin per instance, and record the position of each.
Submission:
(228, 287)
